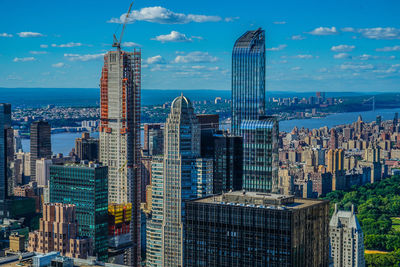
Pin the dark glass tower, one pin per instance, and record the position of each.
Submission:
(40, 144)
(260, 154)
(5, 125)
(248, 78)
(85, 186)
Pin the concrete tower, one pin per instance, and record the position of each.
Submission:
(120, 134)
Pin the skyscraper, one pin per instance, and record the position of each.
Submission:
(40, 144)
(86, 187)
(153, 139)
(346, 239)
(260, 154)
(182, 147)
(248, 78)
(256, 229)
(5, 125)
(87, 148)
(120, 134)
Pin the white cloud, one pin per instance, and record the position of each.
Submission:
(279, 22)
(389, 48)
(130, 44)
(278, 48)
(356, 67)
(197, 56)
(174, 36)
(70, 44)
(29, 34)
(23, 59)
(342, 56)
(44, 46)
(5, 35)
(380, 33)
(230, 19)
(303, 56)
(343, 48)
(197, 67)
(348, 29)
(296, 68)
(58, 65)
(38, 52)
(158, 14)
(155, 60)
(298, 37)
(324, 31)
(77, 57)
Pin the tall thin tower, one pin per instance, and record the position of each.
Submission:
(181, 148)
(248, 78)
(40, 144)
(120, 134)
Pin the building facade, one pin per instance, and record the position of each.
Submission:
(256, 229)
(5, 125)
(87, 148)
(181, 148)
(43, 171)
(346, 239)
(120, 86)
(228, 163)
(248, 78)
(260, 154)
(153, 139)
(86, 187)
(58, 231)
(40, 144)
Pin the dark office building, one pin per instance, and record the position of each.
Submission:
(209, 125)
(260, 154)
(40, 144)
(153, 139)
(87, 148)
(248, 78)
(256, 229)
(85, 186)
(5, 126)
(228, 163)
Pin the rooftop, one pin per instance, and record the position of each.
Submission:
(260, 200)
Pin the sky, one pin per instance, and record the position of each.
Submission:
(311, 45)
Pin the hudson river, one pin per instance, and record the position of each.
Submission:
(64, 142)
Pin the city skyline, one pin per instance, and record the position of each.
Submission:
(315, 49)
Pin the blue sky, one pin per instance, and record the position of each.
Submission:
(312, 45)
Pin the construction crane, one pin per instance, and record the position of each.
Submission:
(116, 42)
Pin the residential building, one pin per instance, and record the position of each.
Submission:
(40, 144)
(120, 86)
(346, 239)
(256, 229)
(260, 154)
(248, 78)
(87, 148)
(86, 187)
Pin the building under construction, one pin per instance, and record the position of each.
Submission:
(120, 135)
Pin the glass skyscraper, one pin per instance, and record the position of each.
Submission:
(86, 187)
(260, 154)
(248, 78)
(5, 124)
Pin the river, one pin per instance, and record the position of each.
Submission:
(64, 142)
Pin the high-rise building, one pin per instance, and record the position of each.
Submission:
(87, 148)
(5, 126)
(256, 229)
(228, 163)
(86, 187)
(346, 239)
(43, 171)
(396, 119)
(248, 78)
(58, 231)
(154, 251)
(333, 142)
(120, 135)
(204, 172)
(260, 154)
(181, 148)
(335, 160)
(40, 144)
(153, 139)
(209, 124)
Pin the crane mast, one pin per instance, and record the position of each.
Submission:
(116, 42)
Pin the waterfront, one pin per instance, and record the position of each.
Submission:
(64, 142)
